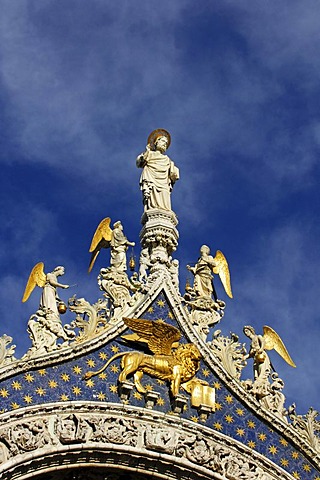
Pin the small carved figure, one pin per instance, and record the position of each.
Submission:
(72, 429)
(201, 451)
(49, 284)
(176, 366)
(274, 402)
(203, 273)
(235, 467)
(159, 172)
(144, 264)
(261, 362)
(174, 272)
(105, 237)
(29, 436)
(121, 431)
(99, 427)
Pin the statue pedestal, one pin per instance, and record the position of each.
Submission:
(159, 236)
(204, 412)
(151, 398)
(179, 403)
(124, 389)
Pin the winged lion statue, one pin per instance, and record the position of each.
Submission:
(175, 365)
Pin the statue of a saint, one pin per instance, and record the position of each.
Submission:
(159, 172)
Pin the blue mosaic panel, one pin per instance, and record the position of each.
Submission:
(65, 382)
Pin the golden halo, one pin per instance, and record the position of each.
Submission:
(159, 132)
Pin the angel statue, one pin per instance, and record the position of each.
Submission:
(45, 327)
(204, 268)
(173, 362)
(262, 366)
(115, 239)
(49, 283)
(159, 172)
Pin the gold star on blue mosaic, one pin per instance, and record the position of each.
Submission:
(273, 449)
(218, 426)
(137, 395)
(16, 385)
(77, 370)
(40, 391)
(76, 390)
(28, 399)
(29, 377)
(4, 393)
(91, 363)
(52, 384)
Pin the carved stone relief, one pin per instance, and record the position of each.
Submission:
(57, 431)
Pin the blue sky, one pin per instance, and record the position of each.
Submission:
(237, 84)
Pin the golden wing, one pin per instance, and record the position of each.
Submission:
(36, 277)
(101, 239)
(273, 341)
(158, 335)
(222, 269)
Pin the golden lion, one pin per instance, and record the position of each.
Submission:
(178, 366)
